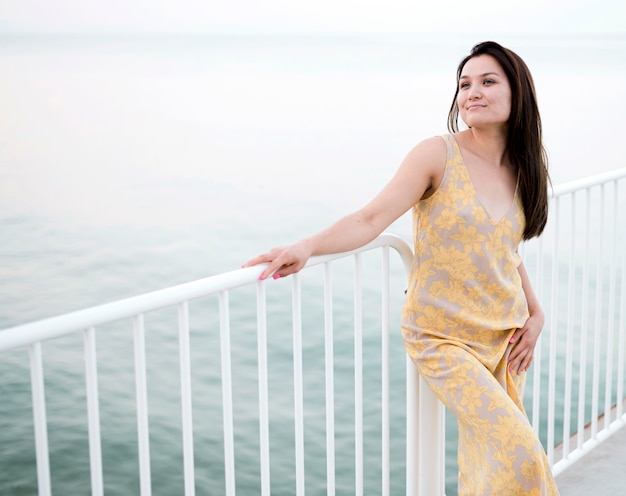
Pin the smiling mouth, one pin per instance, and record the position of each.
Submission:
(474, 107)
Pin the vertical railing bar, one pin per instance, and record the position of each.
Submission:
(431, 437)
(358, 376)
(186, 397)
(227, 393)
(553, 333)
(442, 450)
(93, 411)
(39, 419)
(539, 346)
(622, 333)
(412, 428)
(608, 377)
(264, 432)
(567, 403)
(297, 382)
(385, 372)
(584, 320)
(598, 321)
(330, 381)
(141, 393)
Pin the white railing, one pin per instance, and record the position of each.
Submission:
(580, 274)
(585, 303)
(86, 321)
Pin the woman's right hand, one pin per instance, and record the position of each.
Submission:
(283, 261)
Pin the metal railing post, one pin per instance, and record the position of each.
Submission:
(431, 446)
(412, 434)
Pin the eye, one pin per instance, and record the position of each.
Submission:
(488, 81)
(463, 85)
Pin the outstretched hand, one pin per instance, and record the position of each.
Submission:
(525, 339)
(283, 260)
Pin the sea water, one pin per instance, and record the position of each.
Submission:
(133, 164)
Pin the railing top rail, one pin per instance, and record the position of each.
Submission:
(26, 334)
(588, 182)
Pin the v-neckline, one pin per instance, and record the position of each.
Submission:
(477, 196)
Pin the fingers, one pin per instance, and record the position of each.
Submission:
(280, 262)
(524, 340)
(263, 258)
(521, 355)
(526, 362)
(282, 271)
(521, 361)
(257, 260)
(279, 265)
(272, 269)
(516, 335)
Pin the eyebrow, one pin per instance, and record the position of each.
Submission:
(482, 75)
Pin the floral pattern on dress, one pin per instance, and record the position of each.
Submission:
(464, 302)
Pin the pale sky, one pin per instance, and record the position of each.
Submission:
(529, 17)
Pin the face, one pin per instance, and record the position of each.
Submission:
(484, 96)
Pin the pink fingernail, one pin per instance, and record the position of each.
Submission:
(261, 277)
(276, 276)
(512, 340)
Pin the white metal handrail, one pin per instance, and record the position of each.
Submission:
(53, 327)
(86, 321)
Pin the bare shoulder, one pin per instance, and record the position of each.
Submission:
(428, 158)
(419, 174)
(431, 149)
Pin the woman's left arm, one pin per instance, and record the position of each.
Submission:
(525, 338)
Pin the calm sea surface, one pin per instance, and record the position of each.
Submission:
(130, 165)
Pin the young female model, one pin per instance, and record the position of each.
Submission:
(471, 320)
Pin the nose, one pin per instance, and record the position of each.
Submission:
(474, 92)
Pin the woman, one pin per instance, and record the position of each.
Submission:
(471, 320)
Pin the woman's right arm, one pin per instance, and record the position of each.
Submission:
(420, 172)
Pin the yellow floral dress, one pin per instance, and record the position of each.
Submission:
(464, 301)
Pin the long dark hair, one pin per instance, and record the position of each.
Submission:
(524, 142)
